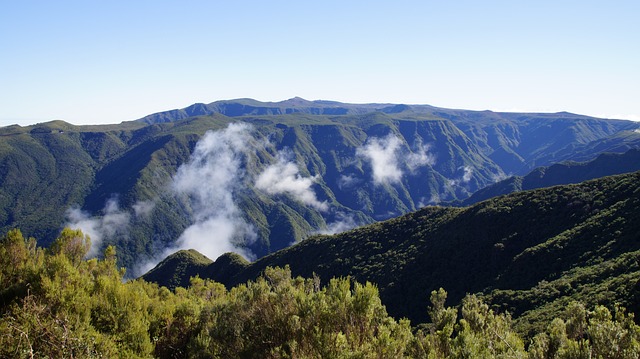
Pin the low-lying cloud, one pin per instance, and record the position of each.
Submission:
(143, 209)
(208, 183)
(420, 157)
(382, 154)
(207, 187)
(465, 176)
(341, 223)
(346, 182)
(467, 173)
(283, 177)
(389, 160)
(114, 221)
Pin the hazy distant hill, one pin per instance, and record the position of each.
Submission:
(529, 252)
(250, 107)
(283, 171)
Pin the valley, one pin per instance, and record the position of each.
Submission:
(339, 166)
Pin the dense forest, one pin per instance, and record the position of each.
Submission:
(56, 304)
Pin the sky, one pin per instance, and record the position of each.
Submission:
(100, 62)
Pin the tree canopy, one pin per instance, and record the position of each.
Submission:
(54, 303)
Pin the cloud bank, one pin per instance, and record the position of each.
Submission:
(283, 177)
(208, 182)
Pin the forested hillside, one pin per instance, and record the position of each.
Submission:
(261, 176)
(529, 253)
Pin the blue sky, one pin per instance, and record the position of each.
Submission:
(89, 62)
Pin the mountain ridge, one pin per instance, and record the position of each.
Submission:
(248, 106)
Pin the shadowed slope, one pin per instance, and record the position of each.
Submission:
(563, 242)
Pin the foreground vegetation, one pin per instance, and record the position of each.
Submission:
(54, 303)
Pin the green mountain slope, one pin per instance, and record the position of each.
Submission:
(347, 165)
(517, 142)
(605, 164)
(529, 252)
(45, 169)
(181, 266)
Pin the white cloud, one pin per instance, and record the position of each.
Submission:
(283, 177)
(113, 222)
(343, 222)
(421, 157)
(91, 226)
(346, 182)
(497, 177)
(468, 172)
(143, 209)
(212, 237)
(209, 181)
(143, 266)
(434, 199)
(388, 159)
(382, 156)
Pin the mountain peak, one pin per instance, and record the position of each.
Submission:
(297, 100)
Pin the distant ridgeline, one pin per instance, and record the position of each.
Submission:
(253, 177)
(529, 253)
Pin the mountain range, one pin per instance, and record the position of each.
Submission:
(254, 177)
